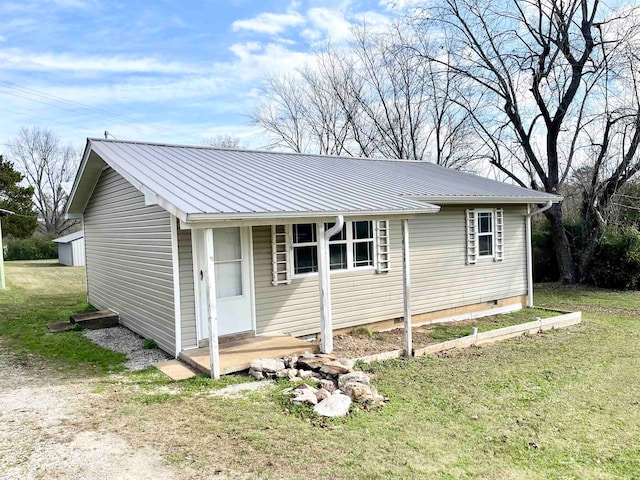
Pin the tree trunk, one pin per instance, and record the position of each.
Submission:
(591, 232)
(566, 265)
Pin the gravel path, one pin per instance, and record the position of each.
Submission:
(121, 339)
(43, 437)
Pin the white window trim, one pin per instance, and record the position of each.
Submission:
(492, 211)
(473, 235)
(350, 242)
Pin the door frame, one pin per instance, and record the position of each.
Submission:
(198, 253)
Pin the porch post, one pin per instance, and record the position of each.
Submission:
(324, 282)
(406, 288)
(214, 353)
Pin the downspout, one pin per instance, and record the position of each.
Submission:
(529, 250)
(326, 321)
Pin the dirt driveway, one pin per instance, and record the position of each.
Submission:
(43, 435)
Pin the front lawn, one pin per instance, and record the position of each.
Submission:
(42, 292)
(563, 404)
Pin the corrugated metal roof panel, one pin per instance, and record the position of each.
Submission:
(202, 180)
(69, 237)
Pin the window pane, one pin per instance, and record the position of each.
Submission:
(341, 235)
(304, 233)
(338, 257)
(363, 254)
(485, 223)
(228, 279)
(362, 230)
(226, 244)
(305, 259)
(485, 245)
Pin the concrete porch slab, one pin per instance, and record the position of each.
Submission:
(175, 369)
(236, 355)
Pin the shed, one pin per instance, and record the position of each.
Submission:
(193, 245)
(71, 249)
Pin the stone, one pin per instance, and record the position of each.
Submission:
(348, 362)
(305, 397)
(315, 362)
(290, 362)
(267, 365)
(334, 368)
(322, 394)
(329, 385)
(304, 386)
(360, 392)
(336, 405)
(353, 377)
(289, 373)
(305, 374)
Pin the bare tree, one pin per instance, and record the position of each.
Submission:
(367, 98)
(556, 80)
(223, 141)
(47, 166)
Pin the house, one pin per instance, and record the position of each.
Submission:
(196, 244)
(71, 249)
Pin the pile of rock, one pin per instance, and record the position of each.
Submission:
(337, 384)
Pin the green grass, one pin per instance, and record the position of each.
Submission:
(564, 405)
(43, 292)
(451, 331)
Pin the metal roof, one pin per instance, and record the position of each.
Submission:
(70, 237)
(204, 183)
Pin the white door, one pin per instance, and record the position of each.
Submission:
(231, 253)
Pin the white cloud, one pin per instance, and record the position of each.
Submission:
(271, 23)
(75, 4)
(328, 24)
(255, 60)
(17, 60)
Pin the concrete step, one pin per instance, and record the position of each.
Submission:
(95, 320)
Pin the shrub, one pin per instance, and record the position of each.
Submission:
(150, 344)
(545, 265)
(617, 259)
(38, 247)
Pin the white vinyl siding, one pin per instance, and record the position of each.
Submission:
(129, 263)
(440, 279)
(71, 253)
(187, 294)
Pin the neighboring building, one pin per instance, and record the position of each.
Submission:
(164, 222)
(71, 249)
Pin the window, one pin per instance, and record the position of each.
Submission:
(362, 244)
(352, 247)
(485, 234)
(305, 248)
(227, 247)
(337, 249)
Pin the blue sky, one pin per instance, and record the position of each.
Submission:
(156, 70)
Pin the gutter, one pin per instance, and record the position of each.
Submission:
(324, 284)
(529, 249)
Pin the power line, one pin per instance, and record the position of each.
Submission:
(96, 112)
(37, 117)
(41, 118)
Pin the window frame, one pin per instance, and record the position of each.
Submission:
(492, 234)
(349, 241)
